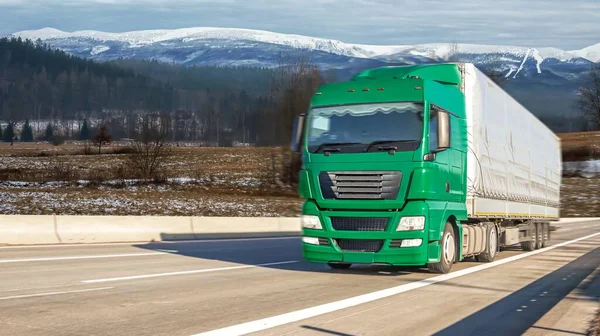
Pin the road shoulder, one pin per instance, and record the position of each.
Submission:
(575, 313)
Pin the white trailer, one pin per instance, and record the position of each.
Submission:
(513, 167)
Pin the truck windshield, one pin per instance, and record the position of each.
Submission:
(366, 127)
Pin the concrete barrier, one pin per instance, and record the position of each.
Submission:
(102, 229)
(29, 230)
(21, 230)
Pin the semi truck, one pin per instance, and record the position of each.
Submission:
(423, 165)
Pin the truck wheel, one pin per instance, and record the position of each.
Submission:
(545, 234)
(531, 245)
(491, 250)
(448, 255)
(539, 234)
(341, 266)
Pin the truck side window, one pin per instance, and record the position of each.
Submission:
(433, 129)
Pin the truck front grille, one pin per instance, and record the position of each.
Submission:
(359, 245)
(359, 223)
(374, 185)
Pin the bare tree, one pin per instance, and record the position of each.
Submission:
(589, 97)
(292, 88)
(102, 138)
(150, 153)
(453, 49)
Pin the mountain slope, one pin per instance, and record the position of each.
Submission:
(537, 76)
(591, 53)
(137, 39)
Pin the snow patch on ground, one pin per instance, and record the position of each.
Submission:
(584, 168)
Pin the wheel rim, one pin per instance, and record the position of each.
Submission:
(493, 242)
(449, 248)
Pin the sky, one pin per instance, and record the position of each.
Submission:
(568, 25)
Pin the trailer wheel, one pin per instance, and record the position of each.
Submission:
(448, 255)
(545, 235)
(531, 245)
(340, 266)
(539, 235)
(491, 250)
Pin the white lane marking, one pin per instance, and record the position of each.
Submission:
(82, 257)
(53, 293)
(274, 321)
(156, 275)
(214, 240)
(576, 228)
(29, 288)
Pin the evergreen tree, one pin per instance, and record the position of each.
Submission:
(84, 134)
(27, 132)
(102, 138)
(49, 132)
(9, 132)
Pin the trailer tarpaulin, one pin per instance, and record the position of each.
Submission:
(514, 160)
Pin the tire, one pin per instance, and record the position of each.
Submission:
(491, 249)
(340, 266)
(531, 244)
(545, 235)
(448, 253)
(539, 234)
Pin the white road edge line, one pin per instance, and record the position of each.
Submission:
(208, 270)
(4, 261)
(53, 293)
(215, 240)
(295, 316)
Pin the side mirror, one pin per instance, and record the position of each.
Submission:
(443, 132)
(297, 133)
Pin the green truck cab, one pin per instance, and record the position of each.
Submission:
(384, 173)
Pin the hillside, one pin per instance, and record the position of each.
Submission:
(48, 86)
(39, 82)
(543, 79)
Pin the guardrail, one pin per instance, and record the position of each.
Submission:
(30, 230)
(52, 229)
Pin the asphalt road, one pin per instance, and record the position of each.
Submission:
(230, 287)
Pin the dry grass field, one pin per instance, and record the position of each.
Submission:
(38, 178)
(580, 146)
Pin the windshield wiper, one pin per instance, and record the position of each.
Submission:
(382, 144)
(324, 146)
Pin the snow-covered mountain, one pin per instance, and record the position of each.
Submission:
(543, 78)
(96, 44)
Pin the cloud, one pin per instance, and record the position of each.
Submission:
(564, 24)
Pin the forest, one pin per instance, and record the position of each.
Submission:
(211, 104)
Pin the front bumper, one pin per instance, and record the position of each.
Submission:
(403, 256)
(390, 253)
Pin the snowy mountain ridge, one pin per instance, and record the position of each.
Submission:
(441, 51)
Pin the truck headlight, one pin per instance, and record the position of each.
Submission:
(311, 240)
(411, 223)
(411, 242)
(311, 222)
